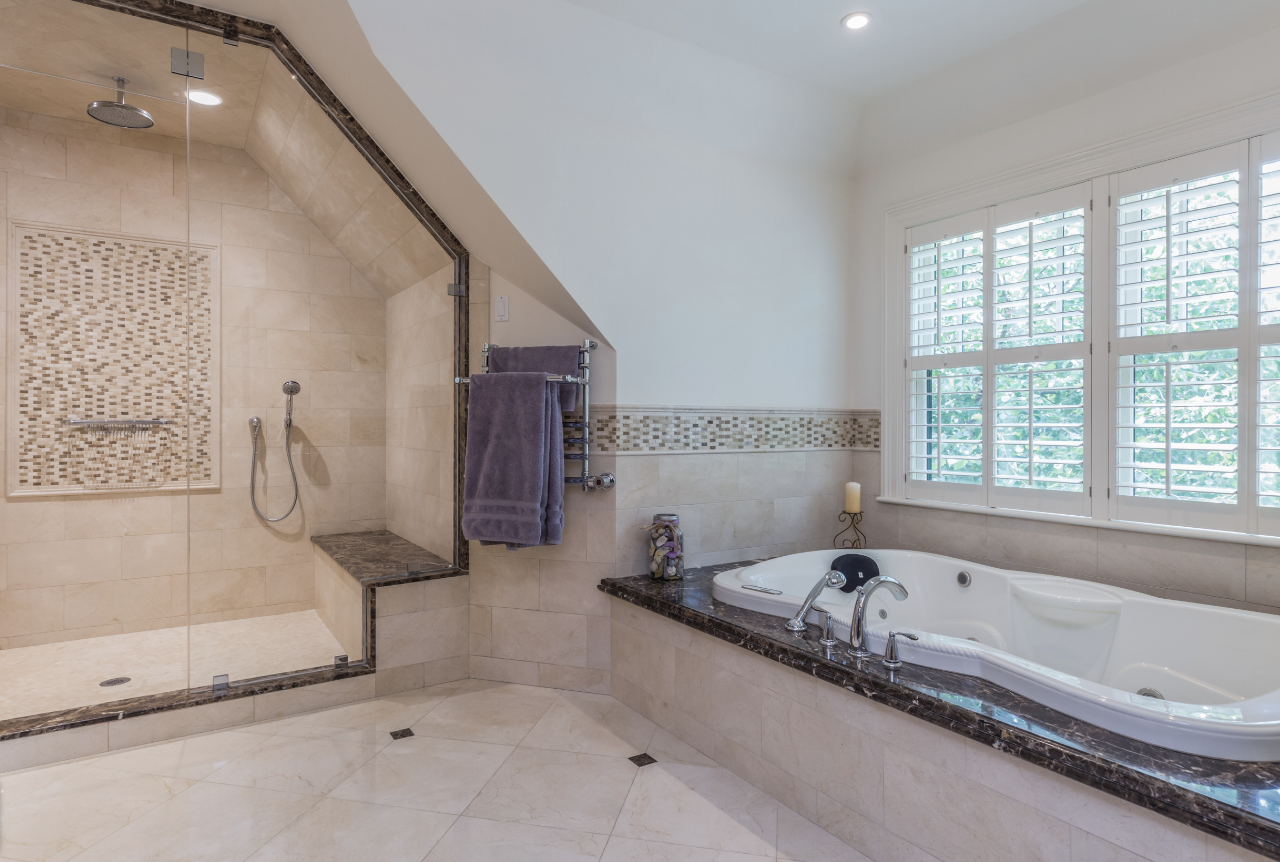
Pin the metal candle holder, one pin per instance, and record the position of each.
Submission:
(859, 540)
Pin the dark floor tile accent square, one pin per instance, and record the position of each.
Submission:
(642, 760)
(401, 734)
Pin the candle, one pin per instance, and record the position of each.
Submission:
(852, 497)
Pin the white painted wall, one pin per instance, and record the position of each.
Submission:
(696, 208)
(1137, 103)
(531, 324)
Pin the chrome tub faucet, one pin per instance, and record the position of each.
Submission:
(830, 579)
(858, 634)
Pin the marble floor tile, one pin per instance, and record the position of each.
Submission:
(195, 757)
(15, 785)
(799, 840)
(208, 823)
(474, 840)
(332, 785)
(592, 724)
(482, 711)
(440, 775)
(340, 830)
(296, 765)
(564, 789)
(63, 818)
(50, 677)
(678, 804)
(635, 850)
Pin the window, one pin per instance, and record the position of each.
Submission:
(1108, 350)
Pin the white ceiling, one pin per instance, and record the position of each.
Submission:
(803, 40)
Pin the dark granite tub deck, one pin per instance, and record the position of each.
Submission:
(376, 558)
(1236, 801)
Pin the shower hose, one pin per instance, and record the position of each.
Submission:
(255, 424)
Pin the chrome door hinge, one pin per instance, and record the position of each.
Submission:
(1090, 204)
(1108, 493)
(1090, 490)
(457, 290)
(904, 250)
(1090, 348)
(187, 63)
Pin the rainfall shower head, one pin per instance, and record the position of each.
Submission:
(117, 113)
(292, 387)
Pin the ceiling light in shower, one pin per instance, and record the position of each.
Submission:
(200, 97)
(856, 20)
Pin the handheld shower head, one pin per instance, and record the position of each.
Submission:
(290, 389)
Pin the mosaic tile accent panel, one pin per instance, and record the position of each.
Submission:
(620, 430)
(98, 329)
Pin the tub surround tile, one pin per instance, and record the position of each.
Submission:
(1185, 788)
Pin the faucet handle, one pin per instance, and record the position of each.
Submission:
(891, 659)
(828, 638)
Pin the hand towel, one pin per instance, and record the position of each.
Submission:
(552, 360)
(514, 487)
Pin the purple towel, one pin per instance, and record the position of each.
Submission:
(514, 487)
(552, 360)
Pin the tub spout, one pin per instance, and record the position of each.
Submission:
(830, 579)
(858, 634)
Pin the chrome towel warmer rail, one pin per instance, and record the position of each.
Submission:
(588, 482)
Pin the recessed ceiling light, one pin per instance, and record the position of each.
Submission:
(200, 97)
(856, 20)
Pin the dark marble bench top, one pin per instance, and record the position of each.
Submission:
(380, 558)
(1236, 801)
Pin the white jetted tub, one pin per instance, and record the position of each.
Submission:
(1081, 648)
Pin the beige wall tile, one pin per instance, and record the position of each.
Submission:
(31, 611)
(349, 314)
(570, 587)
(503, 670)
(508, 581)
(540, 636)
(1210, 568)
(120, 167)
(277, 704)
(76, 561)
(28, 751)
(150, 214)
(32, 152)
(307, 273)
(229, 589)
(256, 228)
(151, 555)
(76, 205)
(225, 183)
(160, 726)
(422, 637)
(316, 351)
(128, 600)
(574, 678)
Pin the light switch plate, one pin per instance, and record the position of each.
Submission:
(501, 313)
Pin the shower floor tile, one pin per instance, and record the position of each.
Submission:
(39, 679)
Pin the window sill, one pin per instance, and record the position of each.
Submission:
(1101, 523)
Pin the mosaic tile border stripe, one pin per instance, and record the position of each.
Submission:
(622, 429)
(98, 330)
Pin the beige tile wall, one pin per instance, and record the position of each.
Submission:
(293, 308)
(314, 164)
(732, 506)
(422, 634)
(420, 401)
(1196, 570)
(894, 787)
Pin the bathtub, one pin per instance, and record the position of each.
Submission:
(1083, 649)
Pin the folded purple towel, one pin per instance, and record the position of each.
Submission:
(513, 492)
(552, 360)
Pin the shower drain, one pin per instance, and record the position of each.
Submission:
(115, 680)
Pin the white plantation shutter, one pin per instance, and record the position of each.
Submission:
(1180, 343)
(1039, 280)
(947, 322)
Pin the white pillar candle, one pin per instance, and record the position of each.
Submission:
(852, 497)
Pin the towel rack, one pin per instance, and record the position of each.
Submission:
(586, 480)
